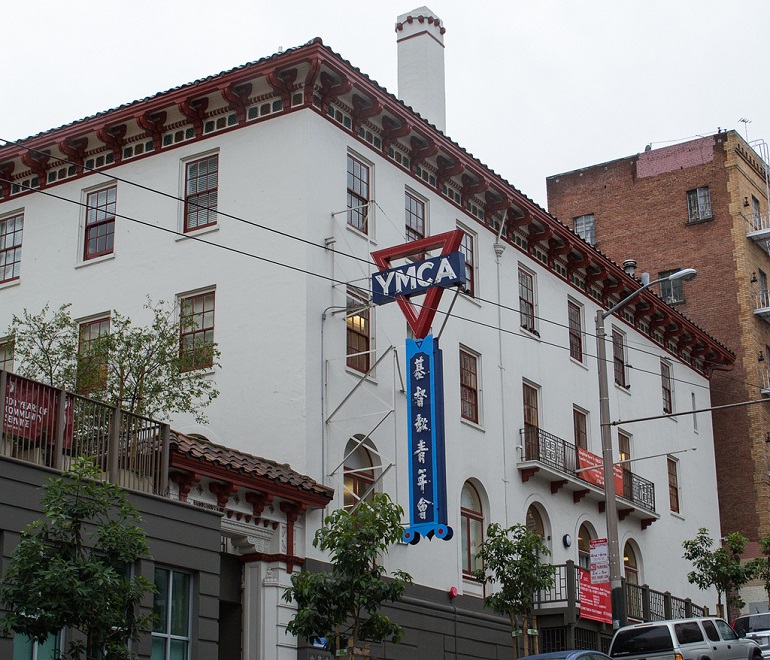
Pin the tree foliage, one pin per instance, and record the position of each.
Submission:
(139, 368)
(721, 567)
(342, 605)
(760, 566)
(512, 559)
(71, 570)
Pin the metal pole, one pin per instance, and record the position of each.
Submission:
(610, 505)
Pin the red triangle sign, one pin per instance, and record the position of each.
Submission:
(420, 320)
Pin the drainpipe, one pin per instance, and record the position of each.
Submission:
(499, 249)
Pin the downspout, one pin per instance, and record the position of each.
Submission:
(499, 249)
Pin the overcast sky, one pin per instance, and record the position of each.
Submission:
(534, 87)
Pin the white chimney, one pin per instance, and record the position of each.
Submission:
(420, 38)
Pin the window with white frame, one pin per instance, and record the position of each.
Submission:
(527, 300)
(26, 648)
(359, 338)
(11, 229)
(698, 205)
(585, 227)
(672, 291)
(201, 192)
(99, 234)
(467, 247)
(358, 194)
(472, 528)
(673, 483)
(414, 217)
(619, 358)
(92, 355)
(469, 385)
(6, 354)
(667, 386)
(575, 324)
(196, 330)
(171, 607)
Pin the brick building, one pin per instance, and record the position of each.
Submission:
(700, 204)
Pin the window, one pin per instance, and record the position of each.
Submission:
(698, 205)
(575, 316)
(10, 247)
(531, 423)
(671, 291)
(472, 526)
(171, 607)
(673, 484)
(358, 330)
(527, 300)
(764, 298)
(99, 236)
(200, 199)
(92, 355)
(624, 447)
(414, 210)
(6, 354)
(580, 426)
(26, 648)
(619, 358)
(358, 475)
(584, 547)
(196, 331)
(469, 386)
(466, 247)
(535, 521)
(630, 564)
(667, 387)
(358, 194)
(624, 454)
(755, 213)
(585, 227)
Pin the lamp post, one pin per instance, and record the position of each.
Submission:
(610, 507)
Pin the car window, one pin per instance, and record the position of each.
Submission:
(688, 632)
(634, 641)
(752, 623)
(726, 631)
(711, 630)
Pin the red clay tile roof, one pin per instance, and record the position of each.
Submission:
(196, 448)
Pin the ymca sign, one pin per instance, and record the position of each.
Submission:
(412, 279)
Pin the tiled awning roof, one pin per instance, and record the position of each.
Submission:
(194, 453)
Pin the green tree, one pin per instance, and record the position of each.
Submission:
(342, 605)
(139, 368)
(720, 568)
(71, 570)
(512, 558)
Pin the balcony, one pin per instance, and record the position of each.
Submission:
(49, 426)
(564, 466)
(642, 602)
(762, 304)
(757, 227)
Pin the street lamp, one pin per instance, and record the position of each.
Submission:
(610, 507)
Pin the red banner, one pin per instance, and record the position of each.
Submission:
(595, 599)
(596, 476)
(29, 411)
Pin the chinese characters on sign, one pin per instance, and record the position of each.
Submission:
(427, 487)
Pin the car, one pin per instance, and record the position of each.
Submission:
(703, 638)
(568, 655)
(757, 627)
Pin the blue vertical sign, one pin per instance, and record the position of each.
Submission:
(427, 464)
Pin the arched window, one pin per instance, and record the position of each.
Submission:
(358, 475)
(535, 521)
(584, 547)
(472, 525)
(630, 564)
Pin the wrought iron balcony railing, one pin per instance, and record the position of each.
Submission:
(49, 426)
(564, 457)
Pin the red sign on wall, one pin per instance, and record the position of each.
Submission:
(595, 599)
(29, 411)
(596, 475)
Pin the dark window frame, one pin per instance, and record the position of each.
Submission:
(11, 235)
(99, 234)
(575, 323)
(358, 332)
(196, 330)
(358, 191)
(469, 386)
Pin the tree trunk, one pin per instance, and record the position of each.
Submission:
(514, 639)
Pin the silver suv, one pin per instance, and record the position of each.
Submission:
(756, 627)
(706, 638)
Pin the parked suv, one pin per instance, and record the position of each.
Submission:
(705, 638)
(756, 627)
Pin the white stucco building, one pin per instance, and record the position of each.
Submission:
(254, 197)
